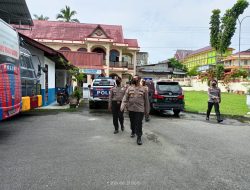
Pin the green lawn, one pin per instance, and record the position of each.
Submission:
(231, 104)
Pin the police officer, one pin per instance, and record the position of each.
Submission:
(214, 94)
(115, 100)
(136, 100)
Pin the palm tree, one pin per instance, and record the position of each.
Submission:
(66, 15)
(41, 17)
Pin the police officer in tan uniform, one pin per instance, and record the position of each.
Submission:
(136, 100)
(115, 100)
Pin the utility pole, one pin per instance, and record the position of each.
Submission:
(240, 21)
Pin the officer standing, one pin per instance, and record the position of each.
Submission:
(115, 100)
(136, 100)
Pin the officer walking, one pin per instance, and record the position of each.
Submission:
(115, 100)
(136, 100)
(214, 94)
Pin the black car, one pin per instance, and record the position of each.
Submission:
(166, 95)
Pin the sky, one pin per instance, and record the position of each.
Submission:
(160, 26)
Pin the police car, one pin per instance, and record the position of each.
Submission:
(100, 90)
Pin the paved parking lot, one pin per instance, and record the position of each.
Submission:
(78, 150)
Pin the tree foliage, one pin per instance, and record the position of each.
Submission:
(66, 15)
(222, 30)
(215, 29)
(176, 64)
(208, 76)
(41, 17)
(193, 71)
(219, 71)
(78, 77)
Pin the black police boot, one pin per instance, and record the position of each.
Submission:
(139, 141)
(219, 120)
(132, 135)
(116, 131)
(207, 118)
(122, 127)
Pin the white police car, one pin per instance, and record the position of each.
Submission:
(99, 91)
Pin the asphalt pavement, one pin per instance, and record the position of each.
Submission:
(78, 150)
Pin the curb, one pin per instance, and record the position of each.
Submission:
(237, 117)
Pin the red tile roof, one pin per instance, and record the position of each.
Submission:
(47, 50)
(84, 59)
(131, 42)
(58, 30)
(247, 52)
(181, 54)
(207, 48)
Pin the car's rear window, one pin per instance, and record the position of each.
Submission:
(168, 87)
(104, 82)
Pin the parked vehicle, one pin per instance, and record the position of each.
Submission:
(18, 78)
(62, 96)
(10, 80)
(99, 91)
(166, 95)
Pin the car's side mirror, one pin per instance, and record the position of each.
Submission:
(89, 86)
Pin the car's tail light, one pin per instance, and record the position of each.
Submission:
(181, 96)
(157, 96)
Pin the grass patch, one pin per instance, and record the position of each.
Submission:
(231, 104)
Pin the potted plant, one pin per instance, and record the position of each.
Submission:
(74, 98)
(77, 93)
(72, 101)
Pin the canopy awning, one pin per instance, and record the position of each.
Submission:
(84, 60)
(15, 12)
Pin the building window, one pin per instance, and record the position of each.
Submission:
(82, 49)
(65, 49)
(100, 50)
(245, 62)
(114, 56)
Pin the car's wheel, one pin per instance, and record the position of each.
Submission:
(91, 105)
(177, 113)
(152, 110)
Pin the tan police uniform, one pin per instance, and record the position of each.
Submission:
(214, 94)
(136, 100)
(115, 100)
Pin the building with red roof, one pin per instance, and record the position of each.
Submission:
(239, 59)
(83, 44)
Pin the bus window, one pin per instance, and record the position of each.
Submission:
(28, 74)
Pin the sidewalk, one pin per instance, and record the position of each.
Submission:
(55, 106)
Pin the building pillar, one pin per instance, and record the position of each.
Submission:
(89, 46)
(120, 55)
(134, 62)
(107, 60)
(89, 80)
